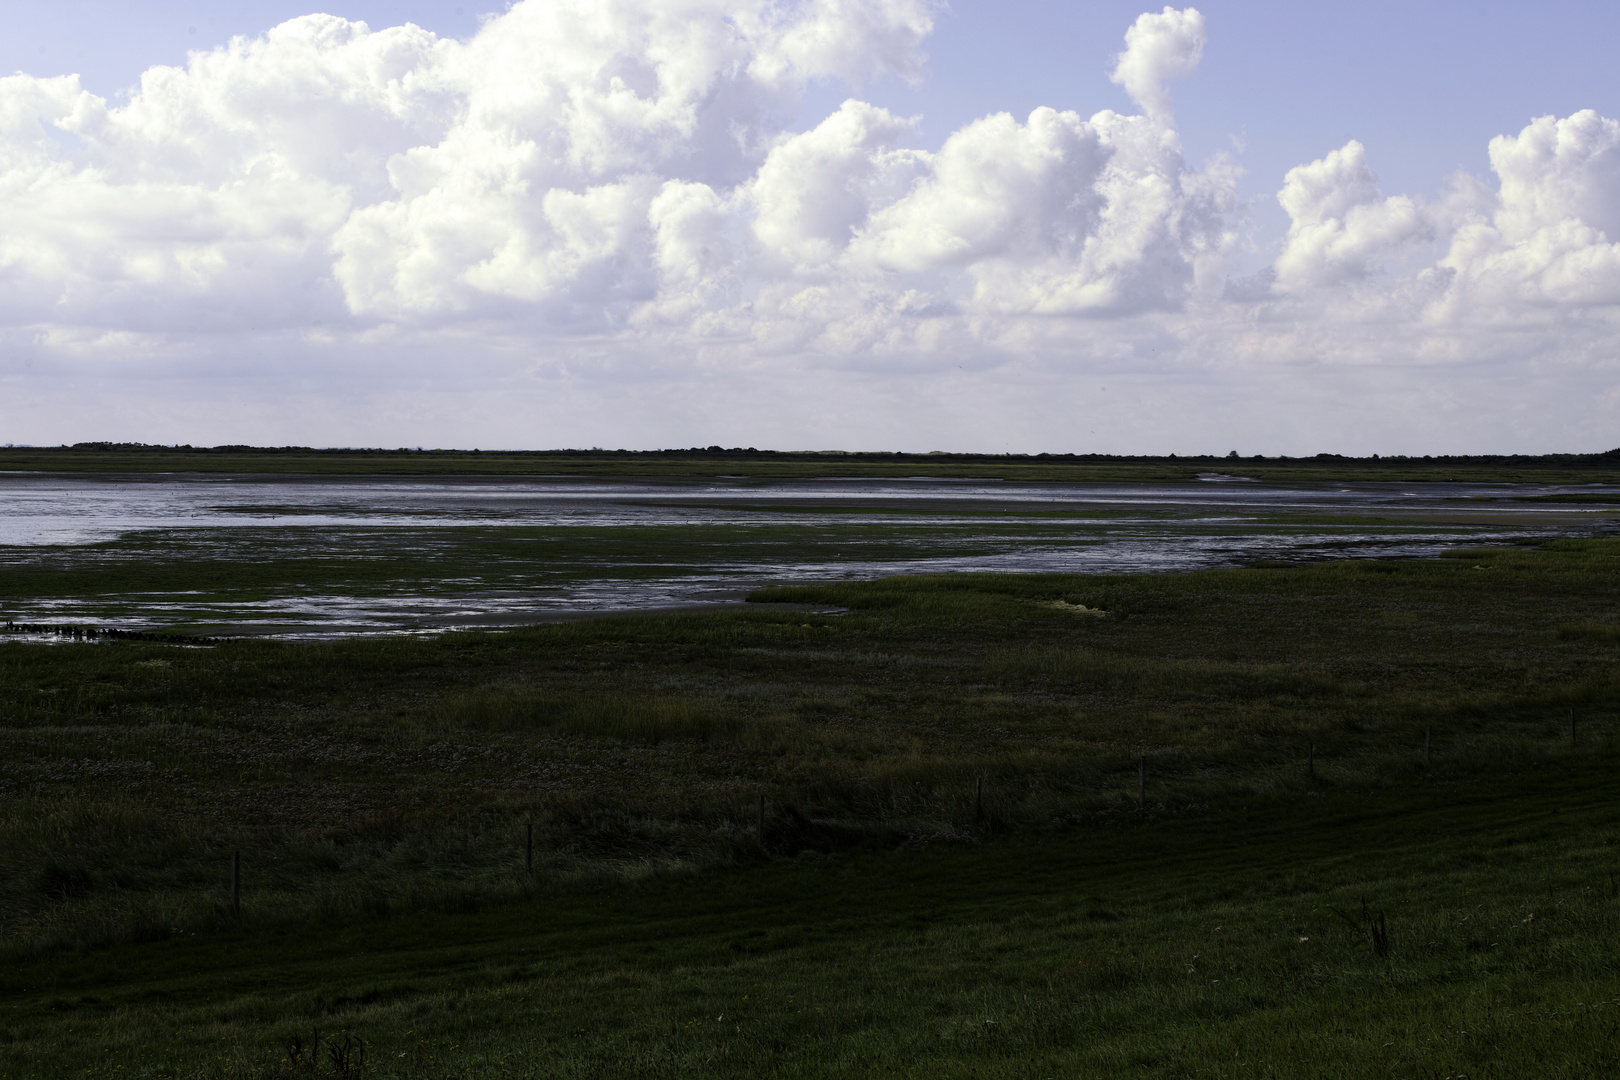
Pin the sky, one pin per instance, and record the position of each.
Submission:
(827, 224)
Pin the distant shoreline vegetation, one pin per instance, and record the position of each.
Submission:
(702, 462)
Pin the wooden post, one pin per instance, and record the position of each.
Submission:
(1426, 758)
(1141, 783)
(528, 848)
(1310, 762)
(978, 800)
(236, 883)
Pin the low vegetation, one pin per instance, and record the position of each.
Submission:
(1151, 825)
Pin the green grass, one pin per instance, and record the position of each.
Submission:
(1233, 943)
(379, 791)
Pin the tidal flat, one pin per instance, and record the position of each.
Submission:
(1332, 817)
(306, 556)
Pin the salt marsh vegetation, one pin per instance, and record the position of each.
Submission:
(369, 774)
(958, 869)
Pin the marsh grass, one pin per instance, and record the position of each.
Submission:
(1601, 633)
(940, 724)
(1438, 929)
(385, 775)
(642, 719)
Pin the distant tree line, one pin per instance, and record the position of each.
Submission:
(935, 457)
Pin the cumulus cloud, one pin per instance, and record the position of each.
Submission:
(575, 115)
(1341, 225)
(212, 196)
(1547, 244)
(1159, 48)
(815, 189)
(1058, 215)
(609, 185)
(581, 167)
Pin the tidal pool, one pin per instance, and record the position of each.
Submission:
(299, 557)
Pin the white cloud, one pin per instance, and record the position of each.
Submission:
(692, 249)
(1551, 242)
(852, 39)
(1159, 48)
(814, 190)
(1341, 226)
(1058, 216)
(545, 172)
(602, 192)
(1559, 170)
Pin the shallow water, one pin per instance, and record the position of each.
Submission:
(481, 551)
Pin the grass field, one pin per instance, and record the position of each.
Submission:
(958, 872)
(1224, 945)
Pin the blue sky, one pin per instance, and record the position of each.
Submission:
(1329, 325)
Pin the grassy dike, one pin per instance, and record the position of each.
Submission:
(900, 918)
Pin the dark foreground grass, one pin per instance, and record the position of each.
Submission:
(1234, 944)
(956, 871)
